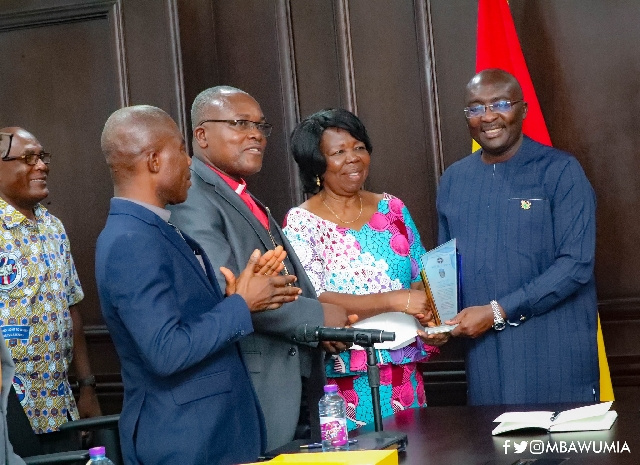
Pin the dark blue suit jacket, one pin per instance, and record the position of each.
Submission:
(188, 396)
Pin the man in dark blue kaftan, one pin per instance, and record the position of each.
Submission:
(524, 218)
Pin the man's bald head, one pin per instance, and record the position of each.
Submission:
(146, 153)
(213, 96)
(129, 134)
(18, 133)
(494, 76)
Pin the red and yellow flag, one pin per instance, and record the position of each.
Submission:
(498, 47)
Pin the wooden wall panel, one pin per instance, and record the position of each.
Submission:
(65, 108)
(67, 66)
(385, 52)
(590, 95)
(318, 68)
(56, 94)
(151, 29)
(454, 44)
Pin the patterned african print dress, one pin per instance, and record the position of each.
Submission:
(382, 256)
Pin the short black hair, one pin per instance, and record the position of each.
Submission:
(305, 142)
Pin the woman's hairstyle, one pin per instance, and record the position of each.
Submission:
(305, 143)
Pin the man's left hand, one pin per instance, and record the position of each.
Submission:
(472, 321)
(88, 405)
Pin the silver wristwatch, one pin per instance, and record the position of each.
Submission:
(498, 322)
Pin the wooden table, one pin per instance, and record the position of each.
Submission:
(462, 436)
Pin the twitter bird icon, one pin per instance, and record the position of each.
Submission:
(520, 447)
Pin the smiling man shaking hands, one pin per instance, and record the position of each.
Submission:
(523, 215)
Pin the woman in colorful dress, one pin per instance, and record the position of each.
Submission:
(361, 251)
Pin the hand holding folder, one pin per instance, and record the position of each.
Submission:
(440, 277)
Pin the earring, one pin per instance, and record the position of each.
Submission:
(318, 181)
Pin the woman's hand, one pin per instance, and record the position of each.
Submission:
(416, 304)
(434, 339)
(422, 309)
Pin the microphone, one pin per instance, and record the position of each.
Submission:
(364, 337)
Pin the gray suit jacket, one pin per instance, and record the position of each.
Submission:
(216, 217)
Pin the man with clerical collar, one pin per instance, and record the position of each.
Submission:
(230, 135)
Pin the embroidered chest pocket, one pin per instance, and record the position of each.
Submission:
(528, 225)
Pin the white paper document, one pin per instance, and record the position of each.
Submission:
(405, 327)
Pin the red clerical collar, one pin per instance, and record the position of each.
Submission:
(238, 187)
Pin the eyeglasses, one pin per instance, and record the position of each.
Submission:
(243, 125)
(501, 106)
(5, 143)
(31, 158)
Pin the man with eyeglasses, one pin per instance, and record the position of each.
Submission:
(39, 290)
(524, 218)
(230, 135)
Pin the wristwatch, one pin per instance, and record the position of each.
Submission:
(88, 381)
(498, 322)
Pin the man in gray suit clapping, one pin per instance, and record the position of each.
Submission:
(230, 135)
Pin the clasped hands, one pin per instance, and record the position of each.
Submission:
(260, 283)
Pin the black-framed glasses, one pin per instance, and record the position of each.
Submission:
(5, 143)
(501, 106)
(31, 158)
(243, 125)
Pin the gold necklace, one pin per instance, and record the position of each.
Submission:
(340, 219)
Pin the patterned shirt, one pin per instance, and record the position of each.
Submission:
(38, 284)
(380, 257)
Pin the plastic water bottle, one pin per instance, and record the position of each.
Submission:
(97, 457)
(333, 420)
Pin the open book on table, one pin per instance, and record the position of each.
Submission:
(595, 417)
(440, 276)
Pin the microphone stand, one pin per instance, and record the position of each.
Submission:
(373, 373)
(378, 439)
(366, 339)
